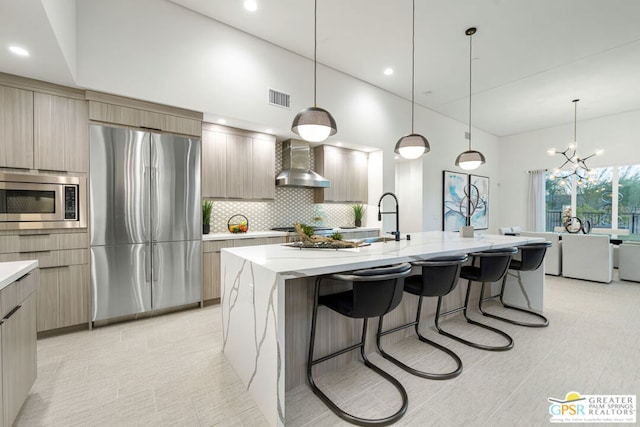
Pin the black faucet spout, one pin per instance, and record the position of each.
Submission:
(396, 213)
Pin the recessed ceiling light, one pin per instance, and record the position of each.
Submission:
(222, 121)
(388, 71)
(269, 130)
(19, 51)
(251, 5)
(339, 144)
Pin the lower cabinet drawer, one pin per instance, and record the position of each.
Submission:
(48, 259)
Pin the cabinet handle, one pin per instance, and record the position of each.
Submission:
(12, 312)
(22, 277)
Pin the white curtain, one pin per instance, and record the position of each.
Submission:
(536, 201)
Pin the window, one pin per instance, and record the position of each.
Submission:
(611, 199)
(629, 198)
(558, 198)
(594, 199)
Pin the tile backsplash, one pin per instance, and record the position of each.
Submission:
(290, 205)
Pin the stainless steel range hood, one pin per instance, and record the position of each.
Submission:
(295, 167)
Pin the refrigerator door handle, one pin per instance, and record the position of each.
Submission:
(147, 265)
(153, 200)
(154, 262)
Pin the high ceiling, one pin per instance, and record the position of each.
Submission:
(531, 58)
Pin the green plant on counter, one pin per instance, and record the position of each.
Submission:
(308, 230)
(358, 213)
(207, 206)
(336, 236)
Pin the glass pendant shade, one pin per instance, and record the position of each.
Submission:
(412, 146)
(314, 124)
(470, 159)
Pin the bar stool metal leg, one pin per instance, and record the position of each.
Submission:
(545, 321)
(505, 347)
(433, 376)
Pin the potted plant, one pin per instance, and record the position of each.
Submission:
(358, 213)
(207, 205)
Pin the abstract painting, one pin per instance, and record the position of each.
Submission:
(453, 186)
(480, 218)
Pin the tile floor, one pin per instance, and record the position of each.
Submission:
(170, 370)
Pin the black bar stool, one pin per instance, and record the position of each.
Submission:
(531, 258)
(374, 292)
(493, 267)
(439, 277)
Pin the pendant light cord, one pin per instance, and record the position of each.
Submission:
(470, 60)
(315, 49)
(413, 64)
(575, 121)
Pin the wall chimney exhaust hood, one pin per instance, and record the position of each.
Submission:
(295, 167)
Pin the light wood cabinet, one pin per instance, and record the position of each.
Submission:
(61, 139)
(16, 128)
(211, 267)
(239, 167)
(63, 284)
(131, 112)
(263, 159)
(214, 164)
(237, 164)
(211, 261)
(63, 297)
(347, 170)
(18, 349)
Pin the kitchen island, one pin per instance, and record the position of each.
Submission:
(266, 303)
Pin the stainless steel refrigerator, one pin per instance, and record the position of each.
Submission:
(145, 220)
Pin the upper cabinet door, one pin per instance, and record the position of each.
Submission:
(60, 133)
(239, 167)
(348, 172)
(214, 164)
(16, 128)
(263, 158)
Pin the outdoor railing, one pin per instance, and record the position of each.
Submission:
(629, 221)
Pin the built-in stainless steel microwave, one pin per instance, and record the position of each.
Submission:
(29, 201)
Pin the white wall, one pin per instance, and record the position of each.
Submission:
(617, 134)
(216, 69)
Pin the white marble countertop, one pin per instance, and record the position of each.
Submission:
(10, 271)
(311, 262)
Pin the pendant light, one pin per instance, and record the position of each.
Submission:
(314, 124)
(470, 159)
(573, 164)
(413, 145)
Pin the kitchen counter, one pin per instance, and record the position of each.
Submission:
(11, 271)
(266, 293)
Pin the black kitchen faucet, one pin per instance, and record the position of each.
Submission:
(396, 213)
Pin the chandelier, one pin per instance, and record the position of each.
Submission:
(573, 164)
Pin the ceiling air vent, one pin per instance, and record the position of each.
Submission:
(279, 99)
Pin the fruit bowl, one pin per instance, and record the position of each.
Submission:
(238, 223)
